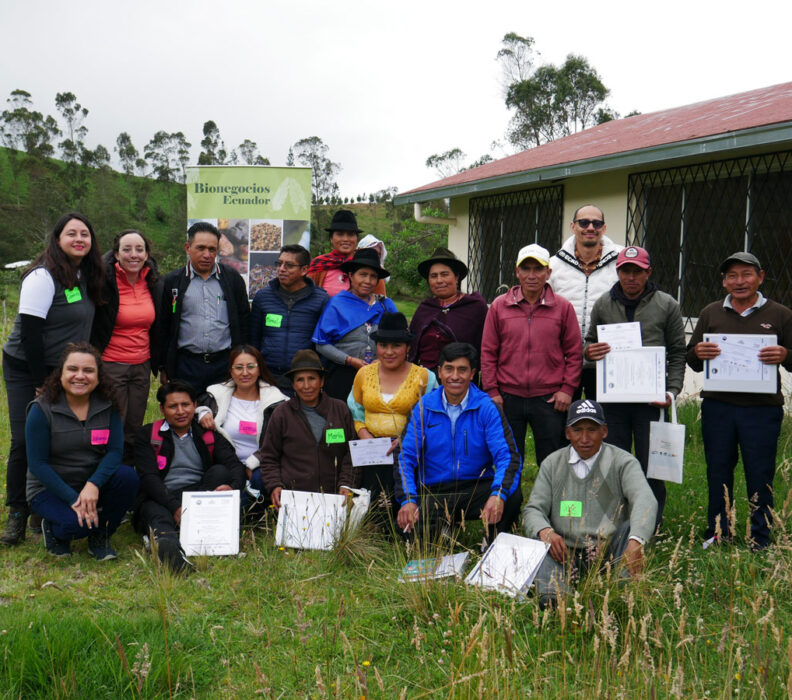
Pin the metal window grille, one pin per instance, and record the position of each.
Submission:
(502, 224)
(692, 217)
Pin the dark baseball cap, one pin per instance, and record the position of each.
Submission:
(585, 410)
(741, 257)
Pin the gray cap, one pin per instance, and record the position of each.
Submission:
(745, 258)
(585, 410)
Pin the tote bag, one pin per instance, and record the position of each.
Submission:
(666, 448)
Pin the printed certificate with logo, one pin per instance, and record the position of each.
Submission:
(738, 367)
(210, 522)
(632, 376)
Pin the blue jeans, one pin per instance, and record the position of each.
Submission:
(116, 497)
(755, 430)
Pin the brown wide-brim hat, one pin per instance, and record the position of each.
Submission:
(446, 257)
(365, 257)
(344, 220)
(305, 361)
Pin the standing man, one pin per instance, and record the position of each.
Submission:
(205, 313)
(583, 270)
(749, 421)
(635, 298)
(531, 354)
(458, 456)
(285, 313)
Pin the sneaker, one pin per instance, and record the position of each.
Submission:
(171, 553)
(14, 532)
(56, 547)
(99, 546)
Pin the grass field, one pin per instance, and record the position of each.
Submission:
(281, 624)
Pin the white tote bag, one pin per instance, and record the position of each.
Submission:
(666, 448)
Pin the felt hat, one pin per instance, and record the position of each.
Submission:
(741, 257)
(365, 257)
(305, 360)
(392, 328)
(343, 220)
(446, 257)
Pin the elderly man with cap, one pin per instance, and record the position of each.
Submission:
(583, 270)
(633, 298)
(590, 503)
(748, 421)
(448, 315)
(531, 354)
(306, 445)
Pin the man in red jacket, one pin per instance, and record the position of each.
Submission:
(531, 354)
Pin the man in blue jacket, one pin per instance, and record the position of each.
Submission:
(285, 312)
(458, 455)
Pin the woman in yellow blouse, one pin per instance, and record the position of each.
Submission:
(381, 399)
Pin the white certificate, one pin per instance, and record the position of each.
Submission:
(210, 522)
(509, 565)
(632, 376)
(620, 336)
(738, 367)
(372, 451)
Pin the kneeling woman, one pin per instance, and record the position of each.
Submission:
(75, 440)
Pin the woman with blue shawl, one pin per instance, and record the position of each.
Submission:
(343, 334)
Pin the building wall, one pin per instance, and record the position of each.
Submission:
(608, 191)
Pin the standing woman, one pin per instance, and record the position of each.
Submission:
(75, 438)
(125, 328)
(343, 334)
(382, 397)
(448, 315)
(56, 306)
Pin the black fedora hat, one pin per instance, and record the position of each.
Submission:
(344, 220)
(305, 361)
(446, 257)
(365, 257)
(392, 328)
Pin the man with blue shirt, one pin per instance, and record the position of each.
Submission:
(458, 455)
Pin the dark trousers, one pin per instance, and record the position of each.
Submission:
(448, 503)
(131, 384)
(21, 390)
(546, 423)
(192, 369)
(115, 499)
(153, 516)
(588, 384)
(628, 424)
(339, 381)
(755, 430)
(379, 480)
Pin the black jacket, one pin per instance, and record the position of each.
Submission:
(105, 316)
(175, 286)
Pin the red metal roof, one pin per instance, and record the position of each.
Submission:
(745, 110)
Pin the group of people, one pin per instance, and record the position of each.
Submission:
(266, 397)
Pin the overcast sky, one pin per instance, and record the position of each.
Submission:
(384, 85)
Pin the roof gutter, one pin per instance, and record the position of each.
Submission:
(719, 143)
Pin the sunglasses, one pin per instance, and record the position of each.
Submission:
(585, 223)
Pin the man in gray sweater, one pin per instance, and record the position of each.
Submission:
(590, 503)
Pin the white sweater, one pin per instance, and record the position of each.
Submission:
(568, 279)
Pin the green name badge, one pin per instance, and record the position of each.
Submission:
(73, 294)
(273, 320)
(571, 509)
(335, 435)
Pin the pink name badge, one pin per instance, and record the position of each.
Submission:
(162, 461)
(100, 437)
(247, 427)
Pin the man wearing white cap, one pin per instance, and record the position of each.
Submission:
(531, 354)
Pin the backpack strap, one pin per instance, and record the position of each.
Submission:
(209, 440)
(156, 438)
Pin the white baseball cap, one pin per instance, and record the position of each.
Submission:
(536, 252)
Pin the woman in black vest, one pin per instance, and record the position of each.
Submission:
(75, 440)
(56, 306)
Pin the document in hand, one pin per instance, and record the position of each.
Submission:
(509, 565)
(738, 367)
(309, 520)
(632, 376)
(436, 567)
(210, 523)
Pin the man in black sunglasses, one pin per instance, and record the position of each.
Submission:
(583, 270)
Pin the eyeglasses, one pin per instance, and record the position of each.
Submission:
(287, 265)
(250, 368)
(585, 223)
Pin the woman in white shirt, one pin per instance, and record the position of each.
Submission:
(239, 407)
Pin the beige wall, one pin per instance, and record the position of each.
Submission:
(608, 191)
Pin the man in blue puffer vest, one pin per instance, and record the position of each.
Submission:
(284, 314)
(458, 455)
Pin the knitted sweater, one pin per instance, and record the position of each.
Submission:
(614, 490)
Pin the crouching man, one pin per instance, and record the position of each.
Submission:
(174, 455)
(591, 503)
